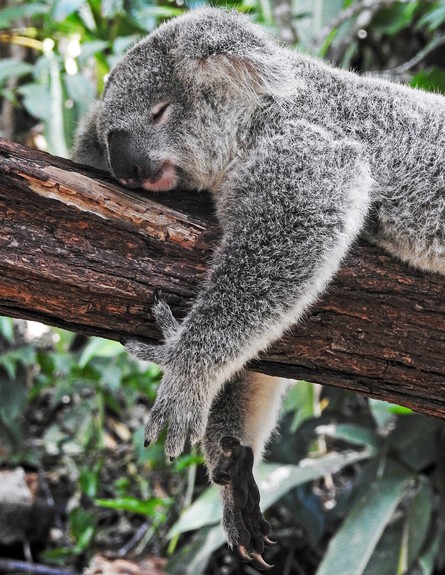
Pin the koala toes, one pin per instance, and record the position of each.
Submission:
(247, 530)
(183, 420)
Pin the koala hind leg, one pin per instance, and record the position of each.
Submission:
(241, 421)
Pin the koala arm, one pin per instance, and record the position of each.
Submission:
(289, 215)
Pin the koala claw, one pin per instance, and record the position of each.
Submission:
(247, 530)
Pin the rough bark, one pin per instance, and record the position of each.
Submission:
(80, 252)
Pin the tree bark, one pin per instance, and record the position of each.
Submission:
(79, 252)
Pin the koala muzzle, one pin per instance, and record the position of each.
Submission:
(133, 167)
(127, 159)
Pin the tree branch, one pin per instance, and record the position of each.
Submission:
(80, 252)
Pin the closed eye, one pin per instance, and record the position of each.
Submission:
(159, 112)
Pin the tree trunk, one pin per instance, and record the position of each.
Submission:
(80, 252)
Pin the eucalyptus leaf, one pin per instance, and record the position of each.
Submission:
(7, 328)
(61, 9)
(352, 546)
(35, 99)
(11, 14)
(352, 433)
(149, 508)
(98, 347)
(194, 556)
(13, 68)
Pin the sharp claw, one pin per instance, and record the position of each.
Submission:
(259, 563)
(268, 541)
(242, 553)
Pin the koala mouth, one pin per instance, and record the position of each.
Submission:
(164, 179)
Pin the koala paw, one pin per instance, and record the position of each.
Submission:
(184, 414)
(247, 530)
(182, 402)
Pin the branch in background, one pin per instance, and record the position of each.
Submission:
(415, 60)
(13, 566)
(283, 16)
(368, 7)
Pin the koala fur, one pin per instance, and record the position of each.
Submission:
(300, 158)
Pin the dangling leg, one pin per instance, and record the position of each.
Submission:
(241, 421)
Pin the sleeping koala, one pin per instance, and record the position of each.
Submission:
(300, 158)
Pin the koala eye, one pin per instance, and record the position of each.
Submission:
(159, 112)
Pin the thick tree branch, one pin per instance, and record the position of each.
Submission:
(78, 251)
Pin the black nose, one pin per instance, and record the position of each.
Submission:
(127, 157)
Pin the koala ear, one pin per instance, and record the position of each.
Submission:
(221, 46)
(88, 148)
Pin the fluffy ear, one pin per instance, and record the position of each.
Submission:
(223, 47)
(88, 148)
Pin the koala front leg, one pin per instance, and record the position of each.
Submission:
(288, 221)
(241, 420)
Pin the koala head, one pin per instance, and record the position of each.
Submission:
(175, 106)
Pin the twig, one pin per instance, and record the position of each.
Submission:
(421, 55)
(348, 13)
(134, 540)
(282, 13)
(10, 565)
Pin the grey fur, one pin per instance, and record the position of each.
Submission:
(300, 158)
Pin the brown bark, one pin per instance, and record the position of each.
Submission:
(79, 252)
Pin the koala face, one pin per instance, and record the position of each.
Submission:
(141, 118)
(173, 108)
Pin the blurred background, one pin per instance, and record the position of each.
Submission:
(351, 486)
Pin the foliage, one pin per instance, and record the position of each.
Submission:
(354, 486)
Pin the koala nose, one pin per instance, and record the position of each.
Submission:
(127, 158)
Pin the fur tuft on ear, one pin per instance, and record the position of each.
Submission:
(217, 47)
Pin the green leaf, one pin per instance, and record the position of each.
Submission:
(274, 481)
(381, 411)
(98, 347)
(395, 18)
(194, 556)
(81, 90)
(352, 546)
(401, 541)
(431, 79)
(11, 14)
(7, 328)
(63, 8)
(81, 521)
(352, 433)
(35, 99)
(13, 68)
(150, 508)
(433, 18)
(419, 519)
(89, 480)
(427, 561)
(386, 556)
(300, 398)
(13, 399)
(85, 539)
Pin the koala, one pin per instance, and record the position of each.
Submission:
(300, 158)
